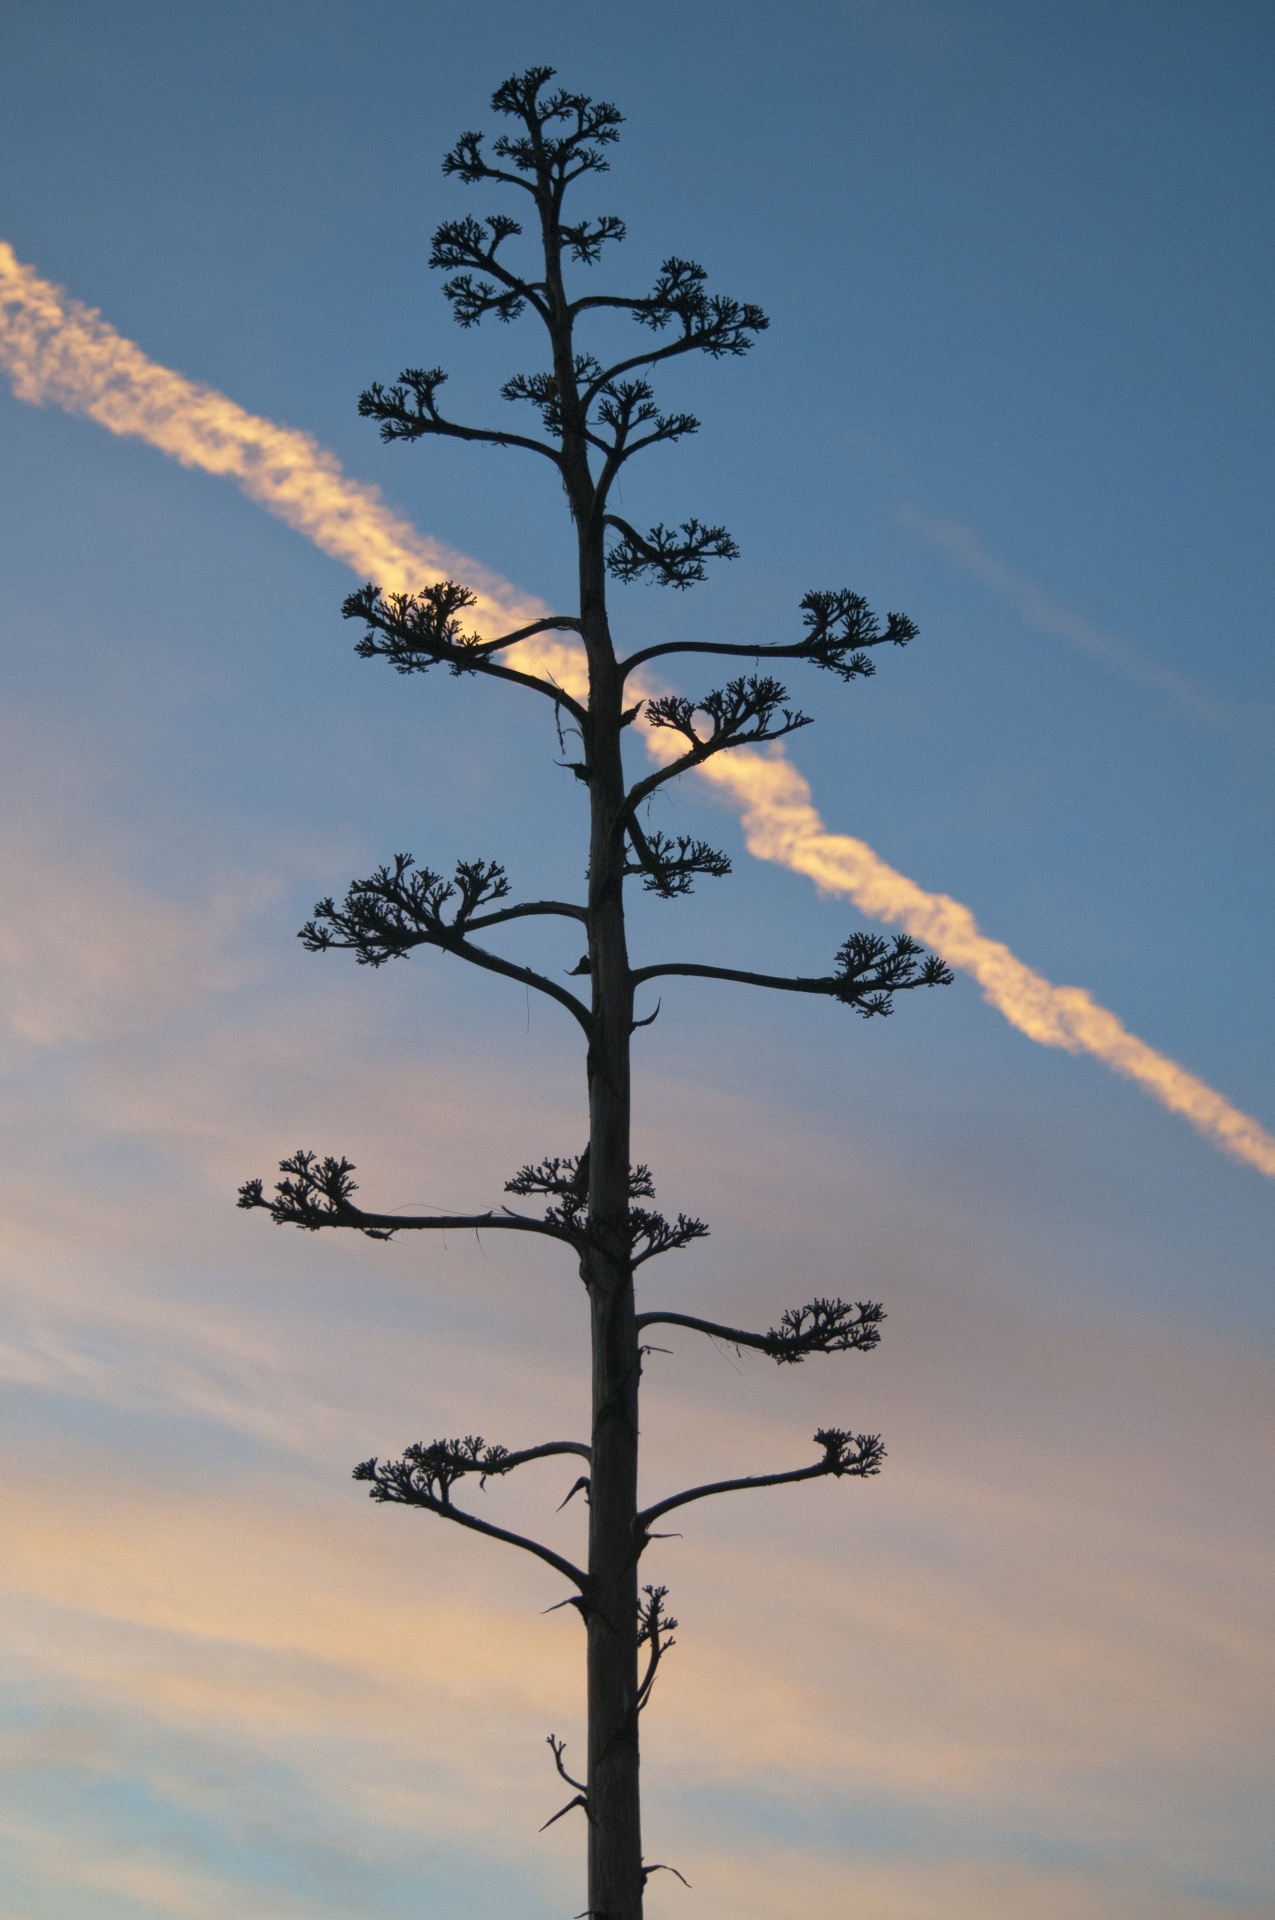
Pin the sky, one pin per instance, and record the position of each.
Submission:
(1018, 264)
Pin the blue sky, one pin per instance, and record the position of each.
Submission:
(1017, 382)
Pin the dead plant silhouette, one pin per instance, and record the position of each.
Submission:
(595, 418)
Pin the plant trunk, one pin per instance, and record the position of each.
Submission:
(615, 1840)
(610, 1611)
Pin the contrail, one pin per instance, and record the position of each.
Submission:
(54, 348)
(781, 824)
(1042, 611)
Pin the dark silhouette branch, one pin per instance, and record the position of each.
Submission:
(662, 1866)
(558, 1748)
(840, 626)
(415, 419)
(622, 407)
(673, 562)
(425, 1475)
(746, 712)
(402, 906)
(668, 867)
(473, 244)
(566, 1181)
(315, 1193)
(416, 631)
(655, 1633)
(581, 1800)
(714, 324)
(824, 1326)
(870, 971)
(857, 1454)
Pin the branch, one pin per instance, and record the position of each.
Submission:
(558, 1748)
(669, 866)
(555, 623)
(395, 909)
(316, 1193)
(870, 971)
(660, 553)
(824, 1326)
(425, 1474)
(403, 421)
(473, 243)
(655, 1630)
(416, 631)
(711, 323)
(839, 626)
(858, 1454)
(567, 1181)
(743, 713)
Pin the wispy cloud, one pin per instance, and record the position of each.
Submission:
(1048, 615)
(54, 348)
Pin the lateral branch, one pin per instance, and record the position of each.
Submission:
(870, 971)
(425, 1475)
(840, 626)
(823, 1326)
(402, 906)
(316, 1192)
(854, 1454)
(416, 631)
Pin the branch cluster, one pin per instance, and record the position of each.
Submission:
(839, 625)
(669, 866)
(825, 1326)
(858, 1454)
(744, 712)
(712, 322)
(655, 1630)
(563, 136)
(415, 631)
(582, 127)
(566, 1181)
(671, 559)
(313, 1193)
(402, 906)
(871, 970)
(426, 1473)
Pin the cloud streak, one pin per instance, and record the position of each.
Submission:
(56, 349)
(1048, 615)
(782, 824)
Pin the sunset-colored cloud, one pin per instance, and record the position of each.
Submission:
(782, 824)
(56, 349)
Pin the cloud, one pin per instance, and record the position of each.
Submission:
(782, 824)
(1042, 611)
(1014, 1669)
(54, 348)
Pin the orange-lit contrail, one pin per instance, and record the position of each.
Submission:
(54, 348)
(782, 824)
